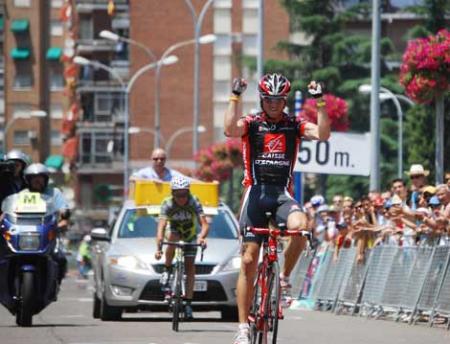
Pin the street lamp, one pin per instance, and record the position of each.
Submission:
(111, 36)
(170, 141)
(206, 39)
(126, 90)
(387, 94)
(31, 114)
(138, 130)
(198, 22)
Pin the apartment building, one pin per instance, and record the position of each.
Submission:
(34, 100)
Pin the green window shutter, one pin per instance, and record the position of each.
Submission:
(20, 53)
(2, 23)
(54, 54)
(20, 25)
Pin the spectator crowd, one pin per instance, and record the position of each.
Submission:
(414, 215)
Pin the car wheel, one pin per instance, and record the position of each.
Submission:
(109, 313)
(96, 306)
(229, 314)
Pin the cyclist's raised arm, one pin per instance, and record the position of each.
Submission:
(321, 130)
(233, 125)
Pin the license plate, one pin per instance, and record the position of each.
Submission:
(200, 286)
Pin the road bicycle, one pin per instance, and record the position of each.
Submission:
(177, 285)
(265, 310)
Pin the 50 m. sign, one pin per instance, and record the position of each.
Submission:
(343, 153)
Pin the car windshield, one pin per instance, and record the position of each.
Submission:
(137, 223)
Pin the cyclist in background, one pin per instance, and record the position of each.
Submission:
(183, 211)
(270, 141)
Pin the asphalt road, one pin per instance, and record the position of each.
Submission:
(69, 321)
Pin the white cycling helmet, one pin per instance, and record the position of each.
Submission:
(16, 154)
(179, 183)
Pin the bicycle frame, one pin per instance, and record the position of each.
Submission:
(178, 288)
(266, 309)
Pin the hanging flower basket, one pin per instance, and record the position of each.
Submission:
(425, 70)
(337, 110)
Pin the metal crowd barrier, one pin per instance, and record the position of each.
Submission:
(405, 283)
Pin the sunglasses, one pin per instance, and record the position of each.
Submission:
(161, 159)
(180, 194)
(416, 176)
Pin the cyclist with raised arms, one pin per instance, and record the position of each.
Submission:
(184, 212)
(270, 141)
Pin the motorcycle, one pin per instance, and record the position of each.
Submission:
(29, 272)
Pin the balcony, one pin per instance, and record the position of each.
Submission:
(87, 6)
(88, 45)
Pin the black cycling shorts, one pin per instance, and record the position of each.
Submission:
(261, 199)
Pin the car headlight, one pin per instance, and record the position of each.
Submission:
(233, 264)
(128, 262)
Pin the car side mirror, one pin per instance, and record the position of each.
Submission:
(100, 234)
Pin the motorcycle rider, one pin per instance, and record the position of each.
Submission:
(37, 176)
(11, 173)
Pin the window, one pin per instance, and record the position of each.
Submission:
(221, 90)
(222, 68)
(86, 30)
(23, 78)
(108, 104)
(222, 45)
(21, 137)
(56, 76)
(94, 147)
(22, 3)
(57, 3)
(56, 111)
(250, 45)
(250, 21)
(56, 138)
(222, 21)
(21, 110)
(56, 28)
(250, 3)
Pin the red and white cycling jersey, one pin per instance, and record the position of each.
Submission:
(270, 149)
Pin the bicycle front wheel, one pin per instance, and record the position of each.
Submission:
(176, 300)
(272, 305)
(256, 316)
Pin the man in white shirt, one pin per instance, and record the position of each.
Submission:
(158, 171)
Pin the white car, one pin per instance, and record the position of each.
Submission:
(126, 273)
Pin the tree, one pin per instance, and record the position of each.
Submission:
(342, 59)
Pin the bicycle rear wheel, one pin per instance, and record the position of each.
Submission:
(176, 300)
(272, 305)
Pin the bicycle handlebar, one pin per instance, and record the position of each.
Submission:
(182, 244)
(278, 232)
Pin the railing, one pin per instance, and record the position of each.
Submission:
(411, 284)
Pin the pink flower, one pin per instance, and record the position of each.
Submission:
(425, 71)
(337, 110)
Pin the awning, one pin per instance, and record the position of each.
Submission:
(20, 53)
(54, 161)
(2, 23)
(54, 53)
(20, 25)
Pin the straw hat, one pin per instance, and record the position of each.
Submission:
(417, 170)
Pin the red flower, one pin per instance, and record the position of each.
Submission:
(217, 161)
(337, 110)
(425, 70)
